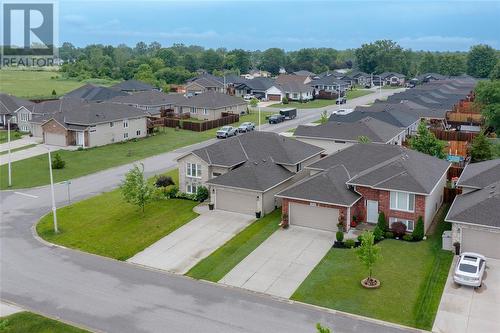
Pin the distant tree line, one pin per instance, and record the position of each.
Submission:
(160, 65)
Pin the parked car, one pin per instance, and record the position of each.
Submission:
(226, 132)
(248, 97)
(289, 113)
(276, 118)
(341, 100)
(246, 127)
(342, 112)
(470, 269)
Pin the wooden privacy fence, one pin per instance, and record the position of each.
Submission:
(197, 126)
(475, 118)
(450, 194)
(453, 135)
(455, 171)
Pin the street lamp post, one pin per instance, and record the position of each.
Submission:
(54, 214)
(259, 118)
(8, 140)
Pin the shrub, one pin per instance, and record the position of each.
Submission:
(340, 236)
(398, 228)
(408, 237)
(389, 234)
(360, 238)
(378, 234)
(253, 102)
(58, 162)
(80, 148)
(285, 100)
(172, 192)
(349, 243)
(382, 223)
(54, 93)
(418, 232)
(201, 194)
(164, 181)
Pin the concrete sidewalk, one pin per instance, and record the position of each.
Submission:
(6, 309)
(186, 246)
(24, 141)
(27, 153)
(280, 264)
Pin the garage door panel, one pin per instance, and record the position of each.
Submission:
(236, 201)
(55, 139)
(272, 97)
(481, 241)
(313, 216)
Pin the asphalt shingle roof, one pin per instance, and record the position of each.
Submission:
(150, 98)
(377, 131)
(93, 93)
(133, 85)
(387, 114)
(328, 186)
(212, 100)
(9, 103)
(480, 175)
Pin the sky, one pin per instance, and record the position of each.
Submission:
(291, 25)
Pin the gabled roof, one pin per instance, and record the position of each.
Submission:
(479, 175)
(149, 98)
(328, 186)
(303, 73)
(10, 104)
(256, 146)
(133, 85)
(377, 131)
(391, 116)
(480, 207)
(292, 83)
(385, 75)
(328, 81)
(254, 175)
(93, 93)
(207, 83)
(397, 113)
(211, 100)
(258, 83)
(388, 167)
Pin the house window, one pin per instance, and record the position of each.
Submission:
(299, 167)
(191, 188)
(111, 124)
(193, 170)
(294, 95)
(193, 110)
(403, 201)
(205, 111)
(125, 135)
(410, 225)
(138, 132)
(125, 123)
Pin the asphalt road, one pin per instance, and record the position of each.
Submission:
(101, 294)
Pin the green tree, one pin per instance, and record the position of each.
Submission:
(238, 59)
(272, 59)
(481, 148)
(168, 56)
(451, 64)
(364, 139)
(145, 74)
(426, 142)
(254, 102)
(481, 60)
(419, 233)
(211, 60)
(323, 117)
(136, 189)
(382, 56)
(495, 72)
(428, 64)
(322, 329)
(368, 253)
(382, 222)
(488, 97)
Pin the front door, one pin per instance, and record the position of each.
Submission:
(79, 138)
(371, 211)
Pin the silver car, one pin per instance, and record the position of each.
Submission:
(246, 127)
(470, 269)
(226, 132)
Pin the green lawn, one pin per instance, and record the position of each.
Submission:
(413, 276)
(40, 84)
(14, 135)
(5, 152)
(215, 266)
(357, 93)
(34, 171)
(106, 225)
(24, 322)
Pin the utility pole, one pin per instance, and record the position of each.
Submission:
(8, 140)
(54, 213)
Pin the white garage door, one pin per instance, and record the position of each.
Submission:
(482, 242)
(236, 201)
(313, 216)
(55, 139)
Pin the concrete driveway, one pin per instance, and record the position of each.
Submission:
(466, 310)
(186, 246)
(280, 264)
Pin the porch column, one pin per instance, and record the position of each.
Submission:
(348, 218)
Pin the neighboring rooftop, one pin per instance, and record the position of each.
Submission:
(9, 103)
(93, 93)
(304, 73)
(150, 98)
(133, 85)
(212, 100)
(292, 83)
(479, 175)
(377, 131)
(391, 115)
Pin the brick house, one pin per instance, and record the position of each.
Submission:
(363, 180)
